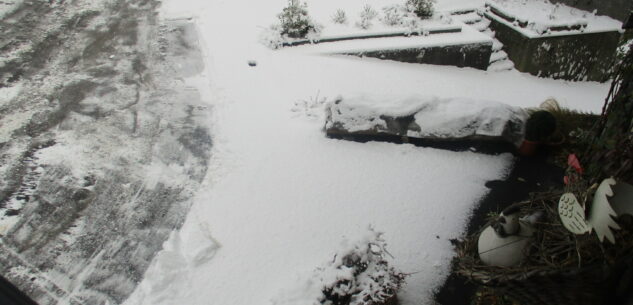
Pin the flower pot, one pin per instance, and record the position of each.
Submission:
(556, 139)
(528, 148)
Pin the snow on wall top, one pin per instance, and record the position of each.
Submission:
(543, 18)
(335, 30)
(466, 36)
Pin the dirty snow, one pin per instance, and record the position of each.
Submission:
(280, 198)
(6, 7)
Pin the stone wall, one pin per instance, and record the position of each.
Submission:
(466, 55)
(572, 57)
(617, 9)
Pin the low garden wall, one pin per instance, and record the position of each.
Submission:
(578, 56)
(475, 55)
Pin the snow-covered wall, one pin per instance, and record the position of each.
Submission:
(579, 56)
(618, 9)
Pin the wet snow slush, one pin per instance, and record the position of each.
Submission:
(102, 144)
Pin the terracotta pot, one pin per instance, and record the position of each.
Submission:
(556, 139)
(528, 148)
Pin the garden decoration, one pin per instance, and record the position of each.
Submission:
(563, 264)
(611, 199)
(556, 266)
(503, 242)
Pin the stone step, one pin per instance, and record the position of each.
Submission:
(504, 65)
(496, 45)
(468, 18)
(498, 56)
(481, 25)
(489, 32)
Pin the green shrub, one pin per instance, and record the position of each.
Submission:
(295, 22)
(422, 8)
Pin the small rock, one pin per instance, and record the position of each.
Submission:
(252, 63)
(81, 194)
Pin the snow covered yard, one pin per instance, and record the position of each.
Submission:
(280, 199)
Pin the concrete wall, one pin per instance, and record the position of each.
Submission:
(617, 9)
(572, 57)
(467, 55)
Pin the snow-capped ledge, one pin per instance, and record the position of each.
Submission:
(426, 117)
(543, 18)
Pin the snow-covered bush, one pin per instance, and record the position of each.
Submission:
(295, 22)
(366, 16)
(402, 16)
(422, 8)
(393, 15)
(361, 275)
(339, 17)
(271, 37)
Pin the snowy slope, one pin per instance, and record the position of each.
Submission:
(281, 198)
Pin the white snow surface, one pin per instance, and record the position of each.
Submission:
(280, 199)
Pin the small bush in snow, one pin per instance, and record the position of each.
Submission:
(422, 8)
(295, 22)
(366, 16)
(361, 276)
(271, 37)
(393, 15)
(339, 17)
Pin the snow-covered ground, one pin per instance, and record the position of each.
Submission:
(280, 198)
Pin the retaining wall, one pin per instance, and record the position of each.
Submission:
(617, 9)
(571, 57)
(465, 55)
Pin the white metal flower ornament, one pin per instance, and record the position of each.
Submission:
(611, 199)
